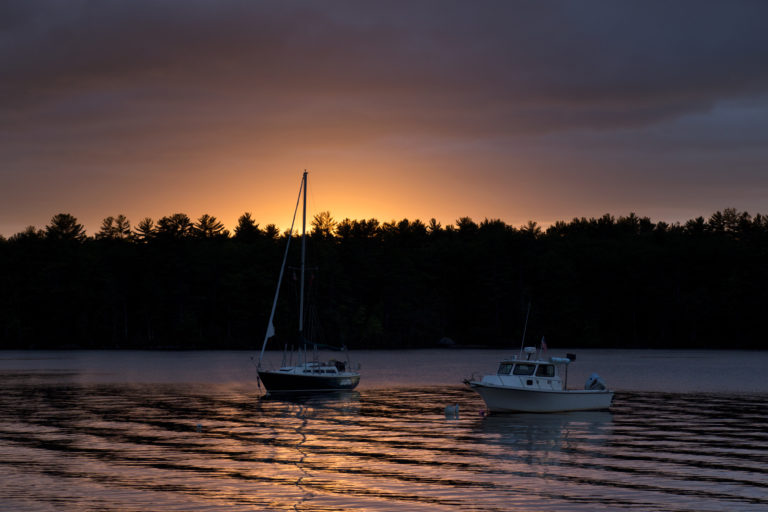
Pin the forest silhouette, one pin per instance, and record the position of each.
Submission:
(623, 282)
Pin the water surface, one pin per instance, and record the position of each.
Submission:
(185, 431)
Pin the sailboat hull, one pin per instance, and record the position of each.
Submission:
(282, 382)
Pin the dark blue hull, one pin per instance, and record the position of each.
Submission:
(282, 382)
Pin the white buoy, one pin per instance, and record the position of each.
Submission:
(452, 411)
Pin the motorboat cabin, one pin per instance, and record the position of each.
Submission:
(538, 374)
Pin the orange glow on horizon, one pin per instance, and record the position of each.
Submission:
(374, 181)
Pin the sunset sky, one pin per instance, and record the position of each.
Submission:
(539, 110)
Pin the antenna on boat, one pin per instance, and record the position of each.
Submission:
(525, 328)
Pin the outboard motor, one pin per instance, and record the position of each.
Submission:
(595, 383)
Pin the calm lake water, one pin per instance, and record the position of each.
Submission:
(190, 431)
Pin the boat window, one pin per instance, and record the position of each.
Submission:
(545, 370)
(505, 368)
(523, 369)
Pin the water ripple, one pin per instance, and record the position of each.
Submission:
(169, 447)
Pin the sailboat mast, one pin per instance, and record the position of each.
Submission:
(270, 325)
(303, 254)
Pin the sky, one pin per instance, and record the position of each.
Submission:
(513, 110)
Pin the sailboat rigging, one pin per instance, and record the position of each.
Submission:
(306, 375)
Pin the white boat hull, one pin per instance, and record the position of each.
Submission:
(512, 399)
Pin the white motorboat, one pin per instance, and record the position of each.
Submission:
(307, 375)
(532, 384)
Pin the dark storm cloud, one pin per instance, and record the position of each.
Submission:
(570, 103)
(449, 67)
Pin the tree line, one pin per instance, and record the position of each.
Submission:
(600, 282)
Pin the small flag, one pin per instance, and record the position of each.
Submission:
(543, 344)
(270, 330)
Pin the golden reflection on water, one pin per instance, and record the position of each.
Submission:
(217, 448)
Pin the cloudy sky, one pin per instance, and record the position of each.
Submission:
(540, 110)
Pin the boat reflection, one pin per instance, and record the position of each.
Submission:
(546, 431)
(342, 401)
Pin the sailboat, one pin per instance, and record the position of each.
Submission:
(306, 375)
